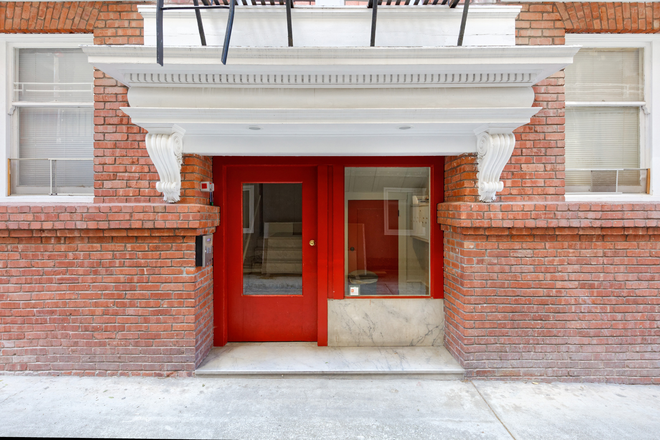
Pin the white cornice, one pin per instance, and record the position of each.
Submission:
(333, 67)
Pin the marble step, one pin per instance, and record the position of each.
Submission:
(306, 359)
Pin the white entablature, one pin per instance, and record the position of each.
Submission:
(336, 100)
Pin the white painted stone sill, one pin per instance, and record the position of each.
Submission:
(614, 198)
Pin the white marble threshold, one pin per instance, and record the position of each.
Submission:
(296, 359)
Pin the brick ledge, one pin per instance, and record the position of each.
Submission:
(108, 216)
(549, 215)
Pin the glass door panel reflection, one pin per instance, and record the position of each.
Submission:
(272, 239)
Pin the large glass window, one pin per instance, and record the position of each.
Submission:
(387, 231)
(604, 117)
(53, 123)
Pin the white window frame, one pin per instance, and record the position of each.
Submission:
(649, 141)
(8, 45)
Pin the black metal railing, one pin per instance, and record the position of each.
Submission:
(231, 4)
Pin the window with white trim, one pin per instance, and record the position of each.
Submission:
(49, 139)
(604, 120)
(609, 128)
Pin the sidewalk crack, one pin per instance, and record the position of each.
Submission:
(15, 394)
(493, 411)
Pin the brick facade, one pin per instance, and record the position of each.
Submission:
(536, 288)
(104, 289)
(610, 17)
(554, 290)
(109, 288)
(536, 169)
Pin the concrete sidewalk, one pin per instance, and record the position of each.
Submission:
(324, 408)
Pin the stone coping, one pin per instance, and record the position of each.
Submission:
(549, 215)
(107, 216)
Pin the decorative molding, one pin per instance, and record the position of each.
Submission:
(493, 153)
(361, 67)
(288, 79)
(443, 94)
(166, 152)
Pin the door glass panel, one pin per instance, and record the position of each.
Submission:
(387, 231)
(272, 239)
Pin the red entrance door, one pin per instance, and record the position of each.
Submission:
(271, 253)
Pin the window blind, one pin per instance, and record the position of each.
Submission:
(52, 77)
(606, 137)
(56, 133)
(601, 75)
(602, 137)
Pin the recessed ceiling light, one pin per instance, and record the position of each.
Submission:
(254, 128)
(405, 127)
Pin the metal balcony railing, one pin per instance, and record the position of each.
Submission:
(31, 180)
(289, 4)
(608, 180)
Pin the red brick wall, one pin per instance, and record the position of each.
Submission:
(610, 17)
(104, 289)
(123, 171)
(554, 290)
(48, 17)
(195, 169)
(536, 169)
(540, 289)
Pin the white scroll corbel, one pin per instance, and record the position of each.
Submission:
(166, 152)
(493, 153)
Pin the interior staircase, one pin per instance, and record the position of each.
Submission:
(282, 255)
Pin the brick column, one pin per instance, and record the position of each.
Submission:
(109, 288)
(554, 290)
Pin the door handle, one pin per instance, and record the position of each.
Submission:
(312, 243)
(352, 249)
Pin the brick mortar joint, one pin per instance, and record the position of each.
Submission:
(552, 207)
(110, 208)
(108, 217)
